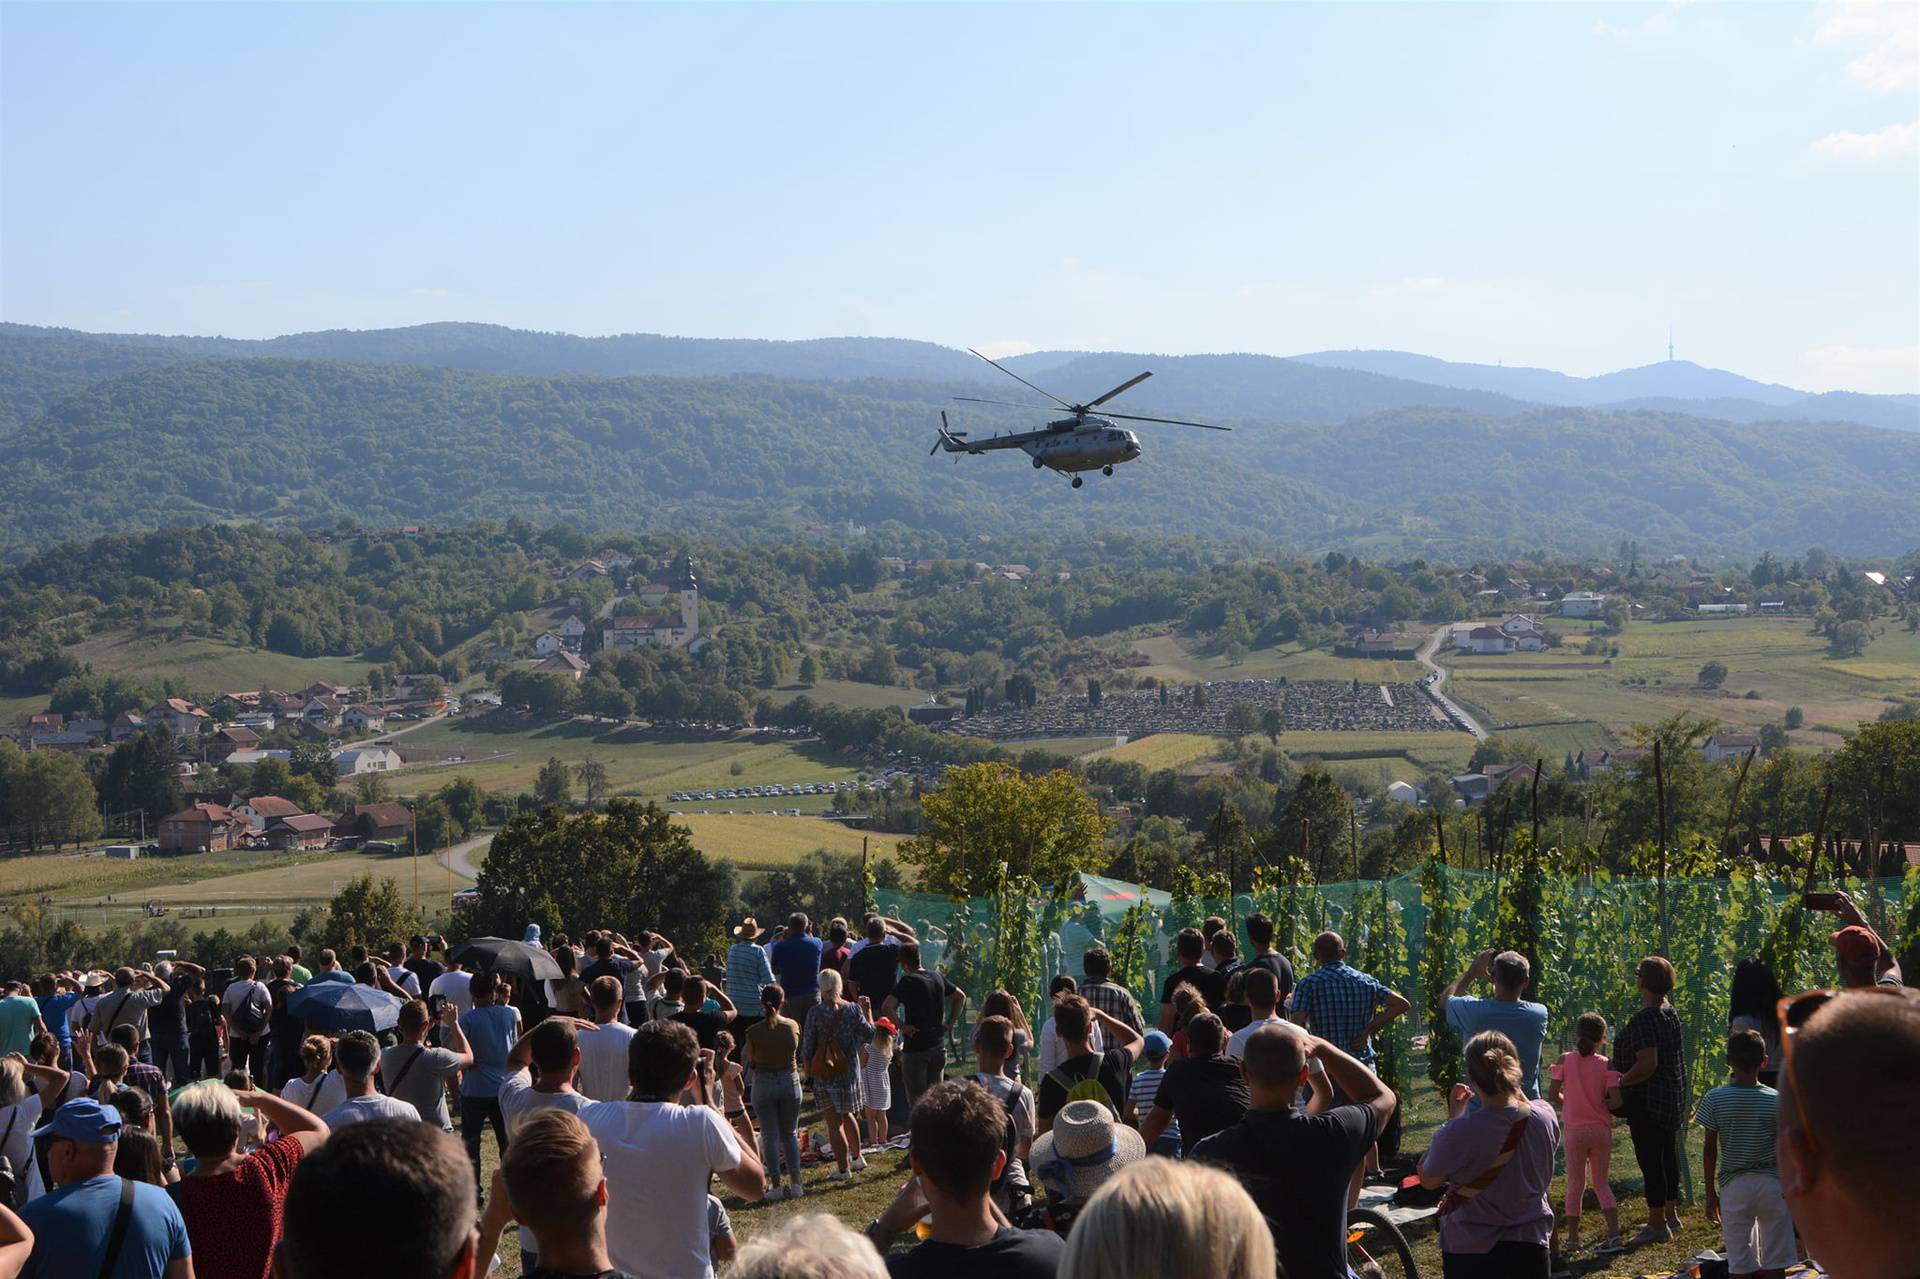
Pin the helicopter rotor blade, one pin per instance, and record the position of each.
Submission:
(1170, 421)
(1043, 408)
(1128, 385)
(1022, 381)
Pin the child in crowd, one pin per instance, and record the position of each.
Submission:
(733, 1090)
(1146, 1084)
(876, 1094)
(721, 1245)
(1586, 1089)
(1745, 1197)
(253, 1127)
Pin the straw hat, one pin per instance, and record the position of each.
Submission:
(1085, 1148)
(748, 929)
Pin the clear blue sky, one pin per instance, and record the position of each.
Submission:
(1533, 183)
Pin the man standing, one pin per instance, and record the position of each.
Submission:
(1508, 1012)
(1263, 997)
(491, 1029)
(424, 969)
(454, 989)
(400, 975)
(74, 1224)
(552, 1050)
(558, 1193)
(1339, 1002)
(297, 970)
(956, 1151)
(1191, 949)
(20, 1019)
(382, 1200)
(1204, 1091)
(358, 1057)
(874, 966)
(169, 1019)
(659, 1157)
(417, 1074)
(928, 1006)
(617, 960)
(328, 969)
(603, 1054)
(1074, 1020)
(796, 966)
(748, 973)
(1260, 936)
(134, 993)
(1299, 1165)
(1101, 992)
(248, 1008)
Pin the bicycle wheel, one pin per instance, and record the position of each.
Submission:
(1376, 1249)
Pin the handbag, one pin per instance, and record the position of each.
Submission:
(1457, 1196)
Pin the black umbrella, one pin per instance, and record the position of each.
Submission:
(502, 955)
(340, 1006)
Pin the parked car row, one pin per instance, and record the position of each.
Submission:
(761, 792)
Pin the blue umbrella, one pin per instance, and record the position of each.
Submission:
(336, 1006)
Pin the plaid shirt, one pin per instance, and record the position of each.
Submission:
(1116, 1002)
(1339, 1001)
(747, 971)
(149, 1080)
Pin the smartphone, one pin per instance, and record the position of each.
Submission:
(1821, 901)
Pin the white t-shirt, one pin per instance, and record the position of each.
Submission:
(519, 1100)
(603, 1062)
(16, 1121)
(658, 1157)
(318, 1097)
(1237, 1042)
(456, 989)
(372, 1106)
(1051, 1054)
(405, 980)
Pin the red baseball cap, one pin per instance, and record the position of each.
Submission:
(1855, 945)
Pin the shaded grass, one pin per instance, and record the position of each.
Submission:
(754, 841)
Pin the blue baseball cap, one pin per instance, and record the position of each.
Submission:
(83, 1119)
(1158, 1045)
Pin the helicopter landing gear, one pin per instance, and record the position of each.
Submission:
(1076, 481)
(1106, 470)
(1037, 463)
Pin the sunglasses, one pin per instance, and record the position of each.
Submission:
(1794, 1011)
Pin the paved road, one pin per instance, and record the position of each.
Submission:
(462, 855)
(1437, 681)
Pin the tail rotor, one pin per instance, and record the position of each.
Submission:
(950, 440)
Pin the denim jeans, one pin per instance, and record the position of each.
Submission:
(170, 1054)
(776, 1104)
(475, 1114)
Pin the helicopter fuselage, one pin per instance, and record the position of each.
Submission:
(1071, 445)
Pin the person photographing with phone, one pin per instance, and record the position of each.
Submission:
(1859, 955)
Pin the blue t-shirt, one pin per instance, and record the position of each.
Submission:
(54, 1010)
(17, 1015)
(796, 962)
(490, 1032)
(334, 974)
(70, 1228)
(1522, 1022)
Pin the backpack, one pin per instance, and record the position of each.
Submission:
(829, 1060)
(251, 1013)
(201, 1017)
(1088, 1088)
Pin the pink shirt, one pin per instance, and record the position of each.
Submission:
(1583, 1088)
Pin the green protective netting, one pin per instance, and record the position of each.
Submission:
(1585, 935)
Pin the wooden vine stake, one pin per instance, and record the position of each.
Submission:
(1733, 805)
(1533, 860)
(1660, 795)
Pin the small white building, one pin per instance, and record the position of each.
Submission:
(1728, 746)
(1720, 610)
(262, 810)
(546, 644)
(1488, 639)
(1518, 624)
(364, 719)
(1582, 604)
(1404, 792)
(367, 759)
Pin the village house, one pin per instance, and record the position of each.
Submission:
(263, 810)
(546, 644)
(1582, 604)
(364, 718)
(1368, 643)
(300, 831)
(562, 663)
(125, 725)
(201, 828)
(360, 760)
(239, 758)
(224, 741)
(1728, 746)
(321, 712)
(259, 721)
(181, 717)
(390, 822)
(590, 571)
(572, 630)
(1720, 610)
(1487, 639)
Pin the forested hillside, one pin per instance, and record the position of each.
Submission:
(305, 443)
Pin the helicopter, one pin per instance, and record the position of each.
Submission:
(1083, 441)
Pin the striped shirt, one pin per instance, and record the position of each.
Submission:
(1146, 1086)
(1339, 1002)
(747, 972)
(1116, 1002)
(1743, 1116)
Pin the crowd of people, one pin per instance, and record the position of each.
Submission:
(170, 1121)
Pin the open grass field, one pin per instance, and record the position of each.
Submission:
(756, 842)
(504, 752)
(1077, 747)
(210, 666)
(1569, 699)
(210, 890)
(846, 692)
(1164, 750)
(1172, 658)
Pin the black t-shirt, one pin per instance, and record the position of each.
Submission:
(1235, 1016)
(1211, 985)
(922, 997)
(1010, 1254)
(424, 970)
(875, 970)
(1206, 1094)
(170, 1014)
(288, 1030)
(705, 1025)
(1297, 1167)
(1275, 963)
(1115, 1067)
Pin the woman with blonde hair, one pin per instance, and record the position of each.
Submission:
(318, 1087)
(806, 1247)
(1157, 1218)
(1497, 1165)
(1003, 1003)
(830, 1044)
(22, 1108)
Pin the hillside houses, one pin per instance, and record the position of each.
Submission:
(561, 662)
(360, 760)
(180, 717)
(1582, 604)
(1516, 633)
